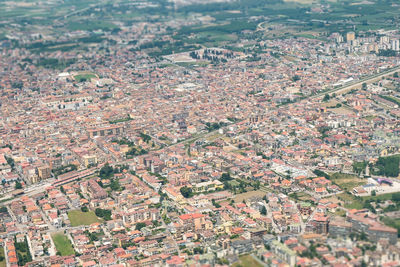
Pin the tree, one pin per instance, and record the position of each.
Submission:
(114, 185)
(140, 225)
(186, 192)
(146, 138)
(364, 86)
(106, 171)
(396, 197)
(10, 161)
(326, 98)
(84, 209)
(18, 185)
(103, 213)
(215, 204)
(198, 250)
(225, 177)
(295, 78)
(263, 210)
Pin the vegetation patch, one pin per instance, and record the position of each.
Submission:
(84, 77)
(391, 99)
(63, 244)
(77, 217)
(23, 253)
(350, 201)
(2, 257)
(247, 260)
(347, 181)
(395, 223)
(91, 25)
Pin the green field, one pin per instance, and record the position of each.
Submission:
(383, 197)
(395, 223)
(350, 201)
(87, 25)
(78, 217)
(84, 77)
(2, 255)
(347, 181)
(63, 244)
(301, 196)
(247, 260)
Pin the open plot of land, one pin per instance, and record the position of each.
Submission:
(303, 1)
(243, 196)
(247, 260)
(302, 196)
(347, 181)
(342, 110)
(341, 213)
(84, 77)
(3, 262)
(382, 197)
(395, 223)
(350, 201)
(77, 217)
(63, 244)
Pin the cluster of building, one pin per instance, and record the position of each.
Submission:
(133, 161)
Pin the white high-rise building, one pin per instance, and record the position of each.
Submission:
(384, 40)
(395, 45)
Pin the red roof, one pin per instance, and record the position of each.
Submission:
(191, 216)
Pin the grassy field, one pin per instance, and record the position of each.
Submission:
(395, 223)
(303, 1)
(193, 64)
(247, 260)
(240, 197)
(84, 77)
(87, 25)
(78, 217)
(3, 262)
(347, 181)
(382, 197)
(350, 201)
(302, 196)
(63, 244)
(340, 213)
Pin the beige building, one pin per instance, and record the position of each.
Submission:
(89, 160)
(350, 36)
(44, 172)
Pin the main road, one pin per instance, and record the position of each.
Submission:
(359, 83)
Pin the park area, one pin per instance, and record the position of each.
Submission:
(77, 217)
(63, 244)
